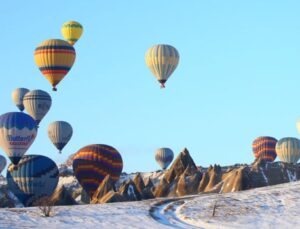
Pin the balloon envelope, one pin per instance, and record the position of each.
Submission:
(2, 163)
(288, 150)
(35, 177)
(72, 31)
(17, 133)
(60, 133)
(93, 162)
(37, 104)
(164, 156)
(264, 147)
(162, 61)
(17, 97)
(54, 58)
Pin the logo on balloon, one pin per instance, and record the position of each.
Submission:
(19, 140)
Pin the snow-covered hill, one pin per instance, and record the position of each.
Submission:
(268, 207)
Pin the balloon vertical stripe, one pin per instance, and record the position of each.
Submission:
(288, 150)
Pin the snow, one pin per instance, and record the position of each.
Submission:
(267, 207)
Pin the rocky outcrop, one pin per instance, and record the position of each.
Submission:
(106, 186)
(139, 182)
(129, 191)
(112, 197)
(62, 197)
(7, 200)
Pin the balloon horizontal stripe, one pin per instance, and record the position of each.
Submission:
(72, 26)
(54, 67)
(98, 158)
(55, 47)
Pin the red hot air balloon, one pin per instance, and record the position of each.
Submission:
(264, 147)
(93, 162)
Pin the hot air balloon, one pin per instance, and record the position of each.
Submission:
(162, 60)
(71, 31)
(54, 58)
(60, 133)
(298, 125)
(17, 133)
(264, 147)
(93, 162)
(17, 97)
(164, 156)
(2, 163)
(37, 103)
(288, 150)
(34, 178)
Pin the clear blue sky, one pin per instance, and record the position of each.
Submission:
(238, 76)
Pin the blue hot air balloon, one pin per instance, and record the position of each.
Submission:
(17, 132)
(34, 178)
(164, 156)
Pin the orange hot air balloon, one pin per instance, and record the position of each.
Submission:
(54, 58)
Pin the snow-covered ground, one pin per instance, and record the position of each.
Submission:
(268, 207)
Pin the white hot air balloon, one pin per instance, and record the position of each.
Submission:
(60, 133)
(164, 156)
(17, 97)
(2, 163)
(288, 150)
(37, 103)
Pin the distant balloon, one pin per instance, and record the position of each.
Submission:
(54, 58)
(17, 133)
(288, 150)
(71, 31)
(164, 156)
(264, 147)
(298, 125)
(60, 133)
(17, 97)
(37, 103)
(34, 178)
(162, 60)
(93, 162)
(2, 163)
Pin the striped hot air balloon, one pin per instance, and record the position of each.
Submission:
(264, 147)
(54, 58)
(164, 156)
(17, 133)
(72, 31)
(288, 150)
(93, 162)
(60, 133)
(2, 163)
(34, 178)
(37, 104)
(17, 97)
(162, 60)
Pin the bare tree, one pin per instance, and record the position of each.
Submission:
(45, 204)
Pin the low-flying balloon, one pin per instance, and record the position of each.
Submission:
(93, 162)
(34, 178)
(60, 133)
(17, 133)
(17, 97)
(164, 156)
(2, 163)
(264, 148)
(37, 103)
(54, 58)
(162, 60)
(288, 150)
(72, 31)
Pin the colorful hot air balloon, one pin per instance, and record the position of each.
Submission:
(2, 163)
(54, 58)
(298, 125)
(37, 103)
(93, 162)
(17, 97)
(288, 150)
(162, 61)
(71, 31)
(264, 147)
(34, 178)
(164, 156)
(17, 133)
(60, 133)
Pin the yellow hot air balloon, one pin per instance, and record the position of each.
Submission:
(54, 58)
(162, 60)
(72, 31)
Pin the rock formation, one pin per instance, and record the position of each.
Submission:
(106, 186)
(62, 197)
